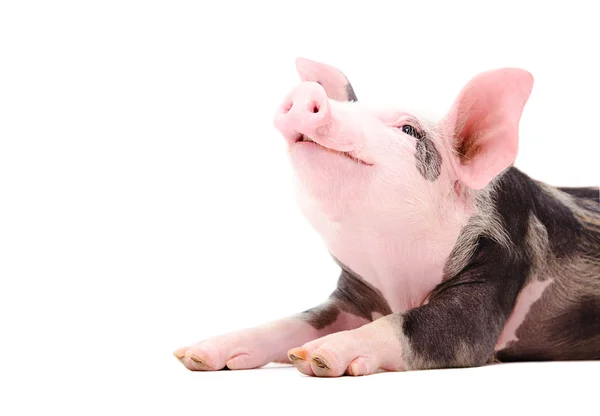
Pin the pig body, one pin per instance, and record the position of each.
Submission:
(449, 255)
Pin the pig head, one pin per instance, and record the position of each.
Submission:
(368, 164)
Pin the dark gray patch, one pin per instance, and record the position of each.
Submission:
(581, 321)
(462, 321)
(460, 324)
(516, 197)
(358, 297)
(429, 160)
(322, 316)
(352, 295)
(571, 334)
(562, 325)
(588, 203)
(350, 93)
(591, 193)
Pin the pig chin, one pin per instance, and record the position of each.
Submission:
(328, 176)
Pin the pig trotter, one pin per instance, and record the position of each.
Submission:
(320, 362)
(293, 358)
(366, 350)
(256, 347)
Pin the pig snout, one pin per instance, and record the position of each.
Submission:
(305, 111)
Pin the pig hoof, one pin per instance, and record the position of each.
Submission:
(300, 358)
(293, 358)
(367, 350)
(320, 362)
(196, 359)
(199, 358)
(207, 356)
(197, 363)
(180, 353)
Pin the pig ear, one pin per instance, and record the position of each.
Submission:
(484, 123)
(334, 82)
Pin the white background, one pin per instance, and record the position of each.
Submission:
(146, 198)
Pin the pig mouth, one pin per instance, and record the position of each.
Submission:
(305, 139)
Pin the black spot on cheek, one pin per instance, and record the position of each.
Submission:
(429, 159)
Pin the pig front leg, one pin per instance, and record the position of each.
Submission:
(255, 347)
(458, 327)
(353, 304)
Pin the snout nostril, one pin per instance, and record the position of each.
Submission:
(315, 108)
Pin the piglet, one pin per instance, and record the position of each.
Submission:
(449, 255)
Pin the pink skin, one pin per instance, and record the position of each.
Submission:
(255, 347)
(360, 189)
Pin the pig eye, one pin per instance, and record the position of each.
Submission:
(411, 131)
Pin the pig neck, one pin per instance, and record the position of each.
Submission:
(402, 257)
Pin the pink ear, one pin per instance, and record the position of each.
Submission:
(484, 122)
(334, 82)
